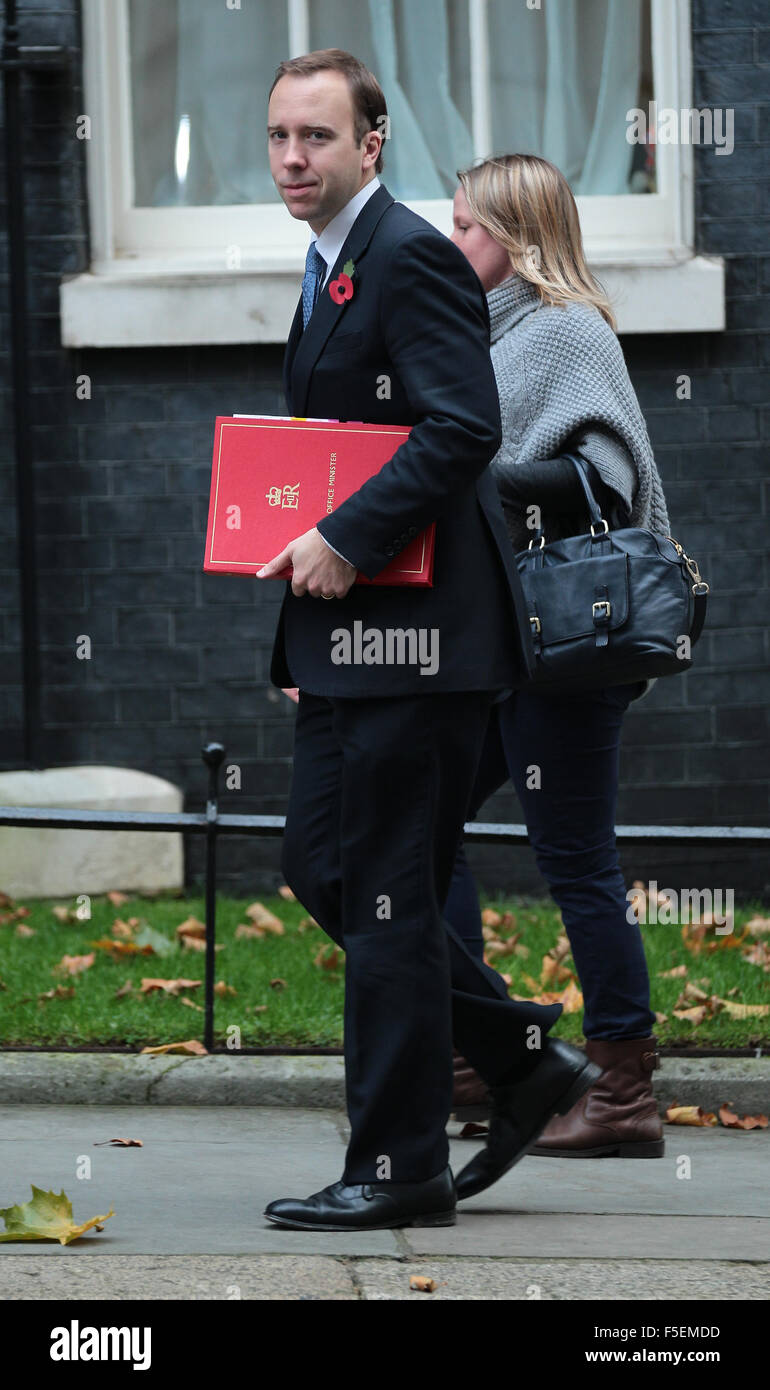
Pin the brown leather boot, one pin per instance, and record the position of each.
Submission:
(470, 1098)
(616, 1118)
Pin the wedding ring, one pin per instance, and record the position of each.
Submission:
(328, 595)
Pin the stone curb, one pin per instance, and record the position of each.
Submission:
(308, 1083)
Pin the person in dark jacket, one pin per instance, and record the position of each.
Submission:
(385, 754)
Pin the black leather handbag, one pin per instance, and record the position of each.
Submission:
(610, 607)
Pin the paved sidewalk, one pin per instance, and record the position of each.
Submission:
(188, 1220)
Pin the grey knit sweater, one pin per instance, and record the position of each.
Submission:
(563, 383)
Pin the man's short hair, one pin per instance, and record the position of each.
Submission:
(369, 105)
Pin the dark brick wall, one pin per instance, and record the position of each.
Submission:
(179, 658)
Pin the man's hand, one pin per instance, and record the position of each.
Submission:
(317, 570)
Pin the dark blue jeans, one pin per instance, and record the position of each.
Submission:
(570, 745)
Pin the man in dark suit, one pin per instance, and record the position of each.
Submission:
(385, 754)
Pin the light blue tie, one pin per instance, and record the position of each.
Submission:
(315, 269)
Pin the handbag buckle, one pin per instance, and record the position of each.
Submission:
(603, 523)
(601, 609)
(541, 545)
(535, 624)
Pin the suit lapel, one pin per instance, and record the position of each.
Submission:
(304, 348)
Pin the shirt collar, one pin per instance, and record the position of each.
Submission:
(335, 233)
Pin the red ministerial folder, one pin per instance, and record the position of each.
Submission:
(274, 478)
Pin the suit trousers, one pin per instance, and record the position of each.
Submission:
(380, 792)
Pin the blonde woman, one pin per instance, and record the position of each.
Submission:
(564, 386)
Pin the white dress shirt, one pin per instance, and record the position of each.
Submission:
(331, 241)
(335, 233)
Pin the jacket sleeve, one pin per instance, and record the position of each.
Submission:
(434, 325)
(553, 485)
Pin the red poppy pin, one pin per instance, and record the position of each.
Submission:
(342, 288)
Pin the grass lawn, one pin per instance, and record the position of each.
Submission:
(307, 1008)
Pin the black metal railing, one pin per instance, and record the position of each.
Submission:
(211, 824)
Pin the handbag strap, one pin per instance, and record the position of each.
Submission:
(594, 510)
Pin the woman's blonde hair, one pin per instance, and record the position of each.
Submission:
(526, 204)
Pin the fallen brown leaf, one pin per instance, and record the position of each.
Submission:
(691, 994)
(491, 918)
(735, 1010)
(759, 954)
(122, 948)
(327, 962)
(221, 989)
(73, 965)
(554, 973)
(497, 948)
(693, 1004)
(23, 930)
(190, 1003)
(562, 947)
(571, 998)
(117, 899)
(695, 1015)
(730, 1120)
(121, 929)
(191, 926)
(286, 893)
(191, 1047)
(169, 986)
(124, 990)
(194, 943)
(262, 917)
(689, 1115)
(246, 929)
(59, 992)
(422, 1284)
(696, 939)
(120, 1143)
(278, 984)
(675, 974)
(758, 926)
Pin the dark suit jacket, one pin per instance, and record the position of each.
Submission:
(410, 348)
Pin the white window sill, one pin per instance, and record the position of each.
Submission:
(168, 303)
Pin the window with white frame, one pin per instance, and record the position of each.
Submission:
(179, 180)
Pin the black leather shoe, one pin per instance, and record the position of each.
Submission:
(370, 1206)
(521, 1111)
